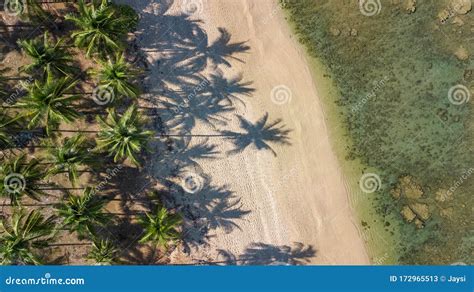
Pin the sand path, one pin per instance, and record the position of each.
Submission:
(297, 202)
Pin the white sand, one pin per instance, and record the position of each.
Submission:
(299, 197)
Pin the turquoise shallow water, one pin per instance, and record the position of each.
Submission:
(404, 102)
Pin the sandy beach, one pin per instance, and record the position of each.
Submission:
(288, 204)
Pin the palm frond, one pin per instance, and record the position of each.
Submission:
(122, 135)
(47, 57)
(117, 75)
(68, 156)
(83, 213)
(22, 234)
(161, 227)
(103, 252)
(19, 178)
(47, 104)
(101, 28)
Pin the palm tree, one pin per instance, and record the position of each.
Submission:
(116, 75)
(83, 213)
(47, 57)
(161, 228)
(68, 156)
(101, 28)
(123, 135)
(103, 252)
(47, 103)
(22, 234)
(19, 177)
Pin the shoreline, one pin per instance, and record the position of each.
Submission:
(282, 203)
(361, 205)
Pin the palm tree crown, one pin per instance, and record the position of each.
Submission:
(19, 177)
(122, 136)
(83, 213)
(101, 28)
(116, 75)
(161, 227)
(47, 103)
(23, 234)
(47, 57)
(103, 252)
(68, 156)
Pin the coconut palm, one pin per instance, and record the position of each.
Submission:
(161, 227)
(68, 156)
(100, 27)
(22, 234)
(116, 75)
(19, 178)
(103, 252)
(83, 213)
(122, 135)
(47, 103)
(47, 57)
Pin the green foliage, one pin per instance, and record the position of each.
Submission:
(117, 75)
(22, 234)
(6, 131)
(103, 252)
(83, 213)
(47, 103)
(19, 177)
(161, 227)
(47, 57)
(122, 135)
(68, 156)
(100, 28)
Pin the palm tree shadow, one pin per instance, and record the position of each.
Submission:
(259, 134)
(229, 89)
(259, 253)
(209, 208)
